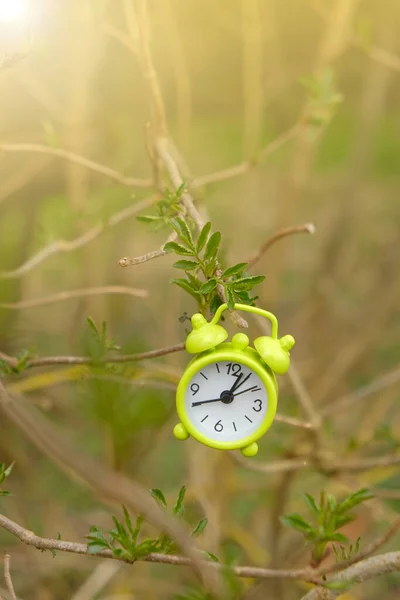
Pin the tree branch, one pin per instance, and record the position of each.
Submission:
(362, 571)
(70, 245)
(306, 228)
(78, 160)
(247, 165)
(7, 577)
(46, 361)
(68, 295)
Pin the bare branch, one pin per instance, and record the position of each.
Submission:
(247, 165)
(306, 228)
(370, 389)
(277, 466)
(78, 160)
(7, 577)
(71, 245)
(362, 571)
(138, 260)
(68, 295)
(292, 421)
(46, 361)
(304, 397)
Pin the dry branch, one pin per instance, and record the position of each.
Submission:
(306, 228)
(68, 295)
(78, 160)
(70, 245)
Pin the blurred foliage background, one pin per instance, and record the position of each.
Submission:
(235, 76)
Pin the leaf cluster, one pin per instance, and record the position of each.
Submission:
(166, 209)
(123, 540)
(323, 98)
(22, 360)
(4, 473)
(328, 516)
(102, 342)
(203, 275)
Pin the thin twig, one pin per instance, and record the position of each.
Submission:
(277, 466)
(7, 577)
(71, 245)
(138, 260)
(379, 384)
(306, 228)
(68, 295)
(46, 361)
(78, 160)
(245, 166)
(293, 421)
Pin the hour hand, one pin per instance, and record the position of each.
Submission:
(236, 384)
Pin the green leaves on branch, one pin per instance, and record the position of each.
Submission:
(203, 277)
(102, 343)
(328, 516)
(4, 473)
(22, 361)
(123, 540)
(166, 209)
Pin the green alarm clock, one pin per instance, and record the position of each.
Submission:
(227, 396)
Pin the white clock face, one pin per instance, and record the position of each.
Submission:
(226, 401)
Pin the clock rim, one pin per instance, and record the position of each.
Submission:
(249, 358)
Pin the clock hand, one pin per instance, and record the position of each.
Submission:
(250, 389)
(205, 401)
(236, 384)
(236, 387)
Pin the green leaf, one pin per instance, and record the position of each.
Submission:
(200, 527)
(128, 521)
(312, 505)
(182, 229)
(234, 270)
(339, 584)
(203, 237)
(211, 556)
(95, 547)
(209, 286)
(212, 246)
(178, 508)
(159, 497)
(331, 502)
(187, 286)
(5, 493)
(230, 298)
(341, 521)
(186, 265)
(136, 531)
(177, 248)
(246, 283)
(148, 218)
(297, 522)
(215, 303)
(354, 499)
(92, 325)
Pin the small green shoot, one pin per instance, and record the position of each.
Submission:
(4, 473)
(328, 516)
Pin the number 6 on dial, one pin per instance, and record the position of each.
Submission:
(227, 396)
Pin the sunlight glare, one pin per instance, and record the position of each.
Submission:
(13, 10)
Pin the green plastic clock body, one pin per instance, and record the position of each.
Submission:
(236, 383)
(229, 353)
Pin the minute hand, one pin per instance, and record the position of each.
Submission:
(205, 401)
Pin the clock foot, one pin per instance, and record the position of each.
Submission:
(250, 450)
(180, 432)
